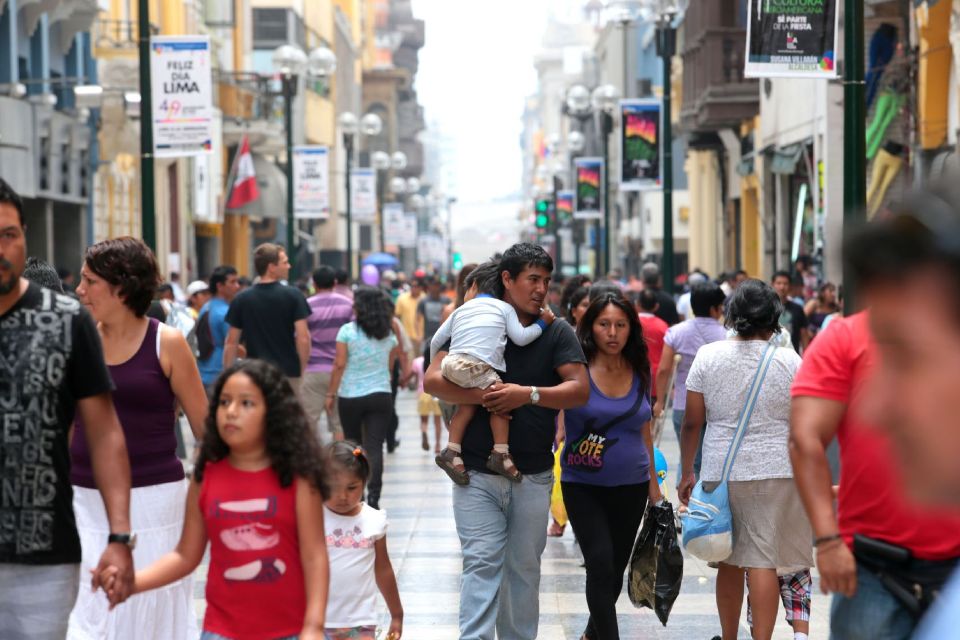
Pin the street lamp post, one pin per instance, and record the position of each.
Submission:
(381, 163)
(665, 12)
(290, 61)
(369, 125)
(575, 143)
(148, 220)
(604, 100)
(854, 116)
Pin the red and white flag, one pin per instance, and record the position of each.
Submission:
(244, 187)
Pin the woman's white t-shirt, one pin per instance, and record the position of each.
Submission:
(722, 372)
(353, 586)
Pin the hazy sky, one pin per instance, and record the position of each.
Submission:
(476, 69)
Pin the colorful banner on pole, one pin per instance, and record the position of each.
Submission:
(408, 239)
(639, 144)
(393, 224)
(792, 39)
(182, 88)
(363, 192)
(311, 182)
(589, 200)
(565, 205)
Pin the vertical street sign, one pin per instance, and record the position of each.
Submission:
(589, 198)
(182, 88)
(311, 182)
(639, 144)
(363, 190)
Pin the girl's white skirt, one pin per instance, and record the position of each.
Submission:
(168, 613)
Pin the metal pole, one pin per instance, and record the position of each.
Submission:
(667, 37)
(148, 219)
(381, 194)
(556, 226)
(606, 125)
(288, 81)
(854, 136)
(348, 144)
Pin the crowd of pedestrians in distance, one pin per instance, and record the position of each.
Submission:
(244, 425)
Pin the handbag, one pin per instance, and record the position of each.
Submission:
(708, 523)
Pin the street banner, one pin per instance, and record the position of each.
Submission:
(792, 39)
(639, 144)
(408, 239)
(565, 205)
(363, 193)
(589, 200)
(242, 181)
(182, 86)
(311, 182)
(393, 223)
(431, 249)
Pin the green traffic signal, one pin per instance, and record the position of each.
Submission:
(542, 220)
(543, 206)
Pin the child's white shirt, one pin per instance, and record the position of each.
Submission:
(480, 328)
(351, 540)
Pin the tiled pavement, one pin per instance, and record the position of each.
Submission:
(426, 557)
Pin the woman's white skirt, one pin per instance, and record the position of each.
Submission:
(168, 613)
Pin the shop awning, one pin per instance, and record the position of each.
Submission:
(784, 160)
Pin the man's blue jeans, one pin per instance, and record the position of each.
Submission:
(871, 614)
(503, 531)
(677, 424)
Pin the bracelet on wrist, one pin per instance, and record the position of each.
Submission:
(825, 539)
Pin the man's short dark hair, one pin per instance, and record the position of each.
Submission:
(342, 277)
(782, 273)
(11, 197)
(648, 301)
(650, 274)
(220, 276)
(524, 255)
(42, 273)
(265, 255)
(324, 277)
(704, 297)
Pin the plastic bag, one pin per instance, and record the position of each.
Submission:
(656, 564)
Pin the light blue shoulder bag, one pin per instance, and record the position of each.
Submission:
(707, 524)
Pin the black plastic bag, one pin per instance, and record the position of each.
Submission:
(656, 564)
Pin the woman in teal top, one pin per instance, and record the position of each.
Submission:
(360, 382)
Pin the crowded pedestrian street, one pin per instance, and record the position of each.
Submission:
(501, 320)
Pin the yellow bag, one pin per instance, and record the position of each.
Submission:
(557, 510)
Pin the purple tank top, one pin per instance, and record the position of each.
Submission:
(146, 407)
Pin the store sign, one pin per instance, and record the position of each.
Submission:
(181, 82)
(589, 200)
(431, 249)
(564, 206)
(792, 39)
(363, 195)
(639, 144)
(311, 182)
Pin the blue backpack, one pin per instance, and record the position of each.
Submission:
(707, 524)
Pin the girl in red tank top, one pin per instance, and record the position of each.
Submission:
(256, 497)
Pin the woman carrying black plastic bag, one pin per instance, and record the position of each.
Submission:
(607, 459)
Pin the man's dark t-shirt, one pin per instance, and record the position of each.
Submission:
(795, 320)
(432, 310)
(668, 308)
(532, 428)
(266, 314)
(50, 357)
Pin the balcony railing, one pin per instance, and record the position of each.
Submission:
(248, 96)
(118, 34)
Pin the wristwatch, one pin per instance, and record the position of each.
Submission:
(534, 395)
(129, 539)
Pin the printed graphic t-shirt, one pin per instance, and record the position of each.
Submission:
(605, 444)
(50, 357)
(350, 545)
(255, 585)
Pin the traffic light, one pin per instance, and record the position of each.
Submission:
(457, 261)
(543, 213)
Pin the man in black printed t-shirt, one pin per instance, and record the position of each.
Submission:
(502, 525)
(51, 365)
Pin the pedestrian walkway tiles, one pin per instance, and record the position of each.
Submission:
(425, 551)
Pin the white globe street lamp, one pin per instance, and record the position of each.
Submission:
(371, 125)
(413, 185)
(399, 160)
(348, 123)
(605, 98)
(398, 186)
(578, 99)
(322, 62)
(380, 160)
(289, 59)
(576, 141)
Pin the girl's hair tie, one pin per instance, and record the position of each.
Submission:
(358, 452)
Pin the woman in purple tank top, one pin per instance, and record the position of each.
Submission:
(153, 372)
(606, 461)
